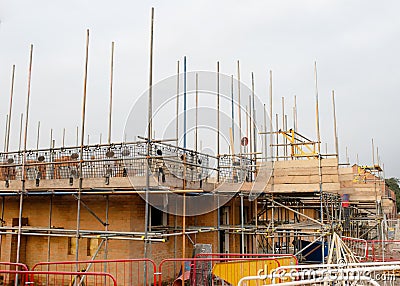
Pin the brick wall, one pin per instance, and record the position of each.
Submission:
(126, 213)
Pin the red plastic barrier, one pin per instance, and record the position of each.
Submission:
(127, 271)
(55, 278)
(9, 277)
(10, 265)
(193, 265)
(50, 278)
(383, 250)
(358, 246)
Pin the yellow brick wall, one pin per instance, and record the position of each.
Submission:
(126, 213)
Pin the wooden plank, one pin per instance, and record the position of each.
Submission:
(359, 200)
(346, 184)
(364, 198)
(313, 163)
(290, 188)
(346, 177)
(345, 191)
(367, 186)
(304, 171)
(346, 171)
(366, 190)
(314, 179)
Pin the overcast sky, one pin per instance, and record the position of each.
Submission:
(356, 45)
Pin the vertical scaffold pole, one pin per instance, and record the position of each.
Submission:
(277, 137)
(239, 113)
(38, 136)
(250, 125)
(184, 102)
(149, 135)
(283, 127)
(319, 159)
(218, 123)
(5, 134)
(2, 220)
(334, 125)
(232, 113)
(78, 216)
(20, 132)
(106, 229)
(111, 92)
(49, 232)
(63, 138)
(295, 125)
(265, 136)
(23, 190)
(317, 109)
(109, 143)
(253, 119)
(177, 105)
(10, 109)
(242, 222)
(197, 113)
(271, 137)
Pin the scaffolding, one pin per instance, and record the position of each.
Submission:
(287, 200)
(291, 208)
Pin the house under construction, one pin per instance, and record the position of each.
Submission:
(91, 202)
(95, 209)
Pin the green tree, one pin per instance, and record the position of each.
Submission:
(393, 184)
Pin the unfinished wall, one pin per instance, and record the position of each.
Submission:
(126, 213)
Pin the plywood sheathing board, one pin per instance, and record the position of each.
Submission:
(295, 176)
